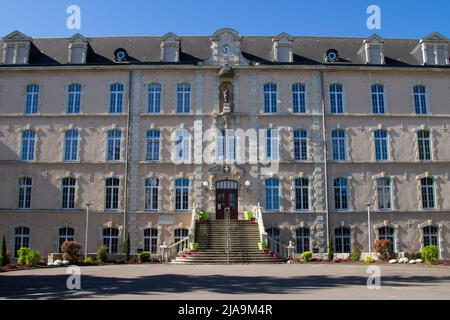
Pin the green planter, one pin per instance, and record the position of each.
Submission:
(203, 215)
(193, 246)
(263, 246)
(248, 215)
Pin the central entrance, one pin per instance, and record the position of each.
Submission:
(226, 197)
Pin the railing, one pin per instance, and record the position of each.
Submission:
(259, 218)
(227, 234)
(177, 248)
(193, 222)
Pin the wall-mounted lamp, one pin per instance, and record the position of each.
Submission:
(205, 184)
(248, 183)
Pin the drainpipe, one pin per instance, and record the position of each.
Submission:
(125, 208)
(325, 154)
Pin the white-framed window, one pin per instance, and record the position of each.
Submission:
(387, 233)
(21, 239)
(336, 98)
(424, 145)
(272, 144)
(270, 98)
(420, 99)
(384, 193)
(151, 240)
(302, 194)
(339, 145)
(182, 194)
(272, 187)
(226, 145)
(303, 240)
(341, 193)
(273, 233)
(342, 237)
(28, 145)
(183, 98)
(182, 146)
(111, 239)
(68, 193)
(151, 194)
(430, 236)
(32, 99)
(153, 145)
(298, 98)
(427, 189)
(381, 145)
(116, 98)
(154, 98)
(74, 99)
(65, 234)
(71, 145)
(113, 147)
(378, 105)
(112, 193)
(300, 145)
(24, 193)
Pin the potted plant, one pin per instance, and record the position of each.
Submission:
(193, 246)
(248, 215)
(203, 216)
(263, 246)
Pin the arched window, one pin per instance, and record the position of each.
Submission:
(28, 145)
(116, 98)
(181, 152)
(71, 145)
(154, 98)
(32, 99)
(303, 240)
(387, 233)
(272, 187)
(341, 194)
(182, 194)
(270, 98)
(151, 194)
(430, 236)
(25, 185)
(74, 99)
(68, 193)
(113, 152)
(378, 106)
(21, 239)
(111, 239)
(153, 145)
(384, 193)
(420, 99)
(342, 237)
(65, 234)
(336, 98)
(298, 98)
(151, 240)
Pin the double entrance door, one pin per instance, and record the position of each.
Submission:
(226, 199)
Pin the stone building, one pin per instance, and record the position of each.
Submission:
(337, 125)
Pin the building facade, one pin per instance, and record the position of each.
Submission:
(144, 129)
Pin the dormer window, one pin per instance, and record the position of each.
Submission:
(372, 50)
(78, 46)
(282, 48)
(170, 48)
(432, 50)
(16, 48)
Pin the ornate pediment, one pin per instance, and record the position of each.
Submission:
(226, 48)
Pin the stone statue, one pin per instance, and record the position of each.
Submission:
(226, 95)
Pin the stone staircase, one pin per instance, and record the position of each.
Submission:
(211, 237)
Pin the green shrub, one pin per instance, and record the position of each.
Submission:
(144, 256)
(330, 250)
(356, 254)
(263, 245)
(28, 257)
(368, 260)
(430, 254)
(4, 258)
(306, 256)
(204, 215)
(248, 215)
(71, 251)
(102, 254)
(22, 256)
(127, 248)
(384, 249)
(88, 261)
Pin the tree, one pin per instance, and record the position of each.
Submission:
(127, 248)
(330, 250)
(4, 258)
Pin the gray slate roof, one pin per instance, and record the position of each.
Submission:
(194, 49)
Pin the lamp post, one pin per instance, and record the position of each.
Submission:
(368, 226)
(87, 229)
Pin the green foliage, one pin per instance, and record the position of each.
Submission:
(127, 248)
(430, 254)
(356, 254)
(306, 256)
(248, 215)
(263, 245)
(88, 261)
(102, 254)
(204, 215)
(384, 249)
(193, 245)
(4, 258)
(71, 251)
(28, 257)
(368, 260)
(330, 250)
(144, 256)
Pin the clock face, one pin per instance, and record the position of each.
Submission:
(226, 49)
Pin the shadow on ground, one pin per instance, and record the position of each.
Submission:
(54, 287)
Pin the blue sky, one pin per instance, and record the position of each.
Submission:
(400, 18)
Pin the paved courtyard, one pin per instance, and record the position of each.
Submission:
(180, 282)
